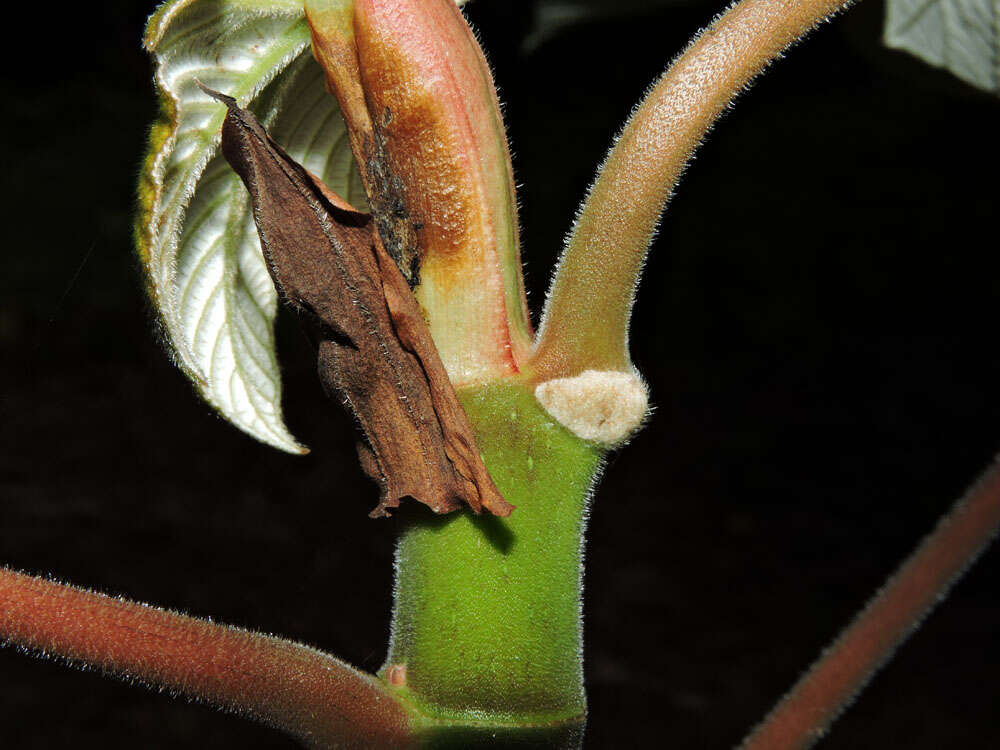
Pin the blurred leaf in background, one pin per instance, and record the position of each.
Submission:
(552, 17)
(961, 36)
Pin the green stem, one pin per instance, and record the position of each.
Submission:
(486, 630)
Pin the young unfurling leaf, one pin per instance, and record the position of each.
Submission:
(427, 133)
(374, 348)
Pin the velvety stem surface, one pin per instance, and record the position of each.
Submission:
(486, 628)
(311, 695)
(585, 324)
(924, 579)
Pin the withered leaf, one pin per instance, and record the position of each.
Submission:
(375, 352)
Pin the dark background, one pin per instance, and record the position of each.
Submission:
(817, 323)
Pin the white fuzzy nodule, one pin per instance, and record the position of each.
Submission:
(599, 405)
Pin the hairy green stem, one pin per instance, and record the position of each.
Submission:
(486, 629)
(804, 715)
(585, 323)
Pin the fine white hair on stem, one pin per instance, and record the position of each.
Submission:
(599, 406)
(896, 611)
(587, 310)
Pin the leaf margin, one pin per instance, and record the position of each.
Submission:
(149, 231)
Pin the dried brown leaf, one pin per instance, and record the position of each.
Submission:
(375, 352)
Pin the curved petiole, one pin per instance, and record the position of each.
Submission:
(305, 692)
(586, 317)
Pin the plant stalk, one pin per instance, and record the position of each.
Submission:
(586, 317)
(806, 712)
(487, 630)
(307, 693)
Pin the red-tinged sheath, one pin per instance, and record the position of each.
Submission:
(438, 173)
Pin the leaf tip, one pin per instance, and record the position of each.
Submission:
(229, 101)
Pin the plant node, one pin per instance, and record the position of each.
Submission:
(598, 405)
